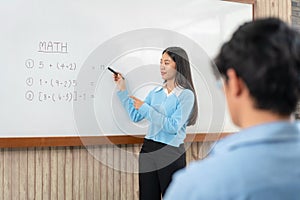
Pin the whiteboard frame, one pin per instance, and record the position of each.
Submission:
(53, 141)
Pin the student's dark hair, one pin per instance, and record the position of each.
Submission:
(265, 54)
(184, 76)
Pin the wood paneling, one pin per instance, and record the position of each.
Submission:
(274, 8)
(97, 172)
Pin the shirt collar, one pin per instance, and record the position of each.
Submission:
(268, 132)
(177, 90)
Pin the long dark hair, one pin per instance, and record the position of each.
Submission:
(183, 76)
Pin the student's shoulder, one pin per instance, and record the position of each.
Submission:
(183, 93)
(187, 91)
(209, 167)
(205, 179)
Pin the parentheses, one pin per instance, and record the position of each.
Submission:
(74, 66)
(57, 65)
(53, 97)
(70, 83)
(67, 96)
(71, 97)
(40, 99)
(52, 82)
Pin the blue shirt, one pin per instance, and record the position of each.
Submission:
(261, 163)
(168, 114)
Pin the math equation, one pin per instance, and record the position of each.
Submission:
(51, 74)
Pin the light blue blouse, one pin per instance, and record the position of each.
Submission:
(168, 114)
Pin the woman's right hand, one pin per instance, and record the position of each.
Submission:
(120, 81)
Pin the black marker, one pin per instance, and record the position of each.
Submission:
(113, 71)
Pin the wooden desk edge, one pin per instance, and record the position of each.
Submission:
(20, 142)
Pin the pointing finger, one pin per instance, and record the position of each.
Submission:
(133, 97)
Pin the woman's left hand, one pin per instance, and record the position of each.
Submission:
(137, 103)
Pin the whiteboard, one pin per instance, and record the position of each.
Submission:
(54, 56)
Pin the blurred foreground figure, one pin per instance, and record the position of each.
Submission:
(259, 68)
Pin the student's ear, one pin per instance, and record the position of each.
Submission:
(235, 84)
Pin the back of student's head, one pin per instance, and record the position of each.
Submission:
(265, 54)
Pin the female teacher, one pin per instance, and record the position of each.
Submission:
(169, 109)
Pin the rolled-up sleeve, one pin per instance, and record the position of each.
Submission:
(127, 103)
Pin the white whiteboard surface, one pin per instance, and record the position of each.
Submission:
(54, 54)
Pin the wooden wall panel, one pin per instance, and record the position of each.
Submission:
(23, 170)
(98, 172)
(129, 177)
(296, 25)
(274, 8)
(15, 174)
(90, 174)
(96, 175)
(46, 174)
(68, 173)
(60, 166)
(1, 173)
(7, 189)
(31, 172)
(103, 172)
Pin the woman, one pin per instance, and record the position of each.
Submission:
(169, 109)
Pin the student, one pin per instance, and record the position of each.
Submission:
(169, 109)
(260, 68)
